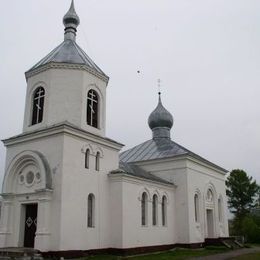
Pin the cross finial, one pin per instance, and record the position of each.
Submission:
(159, 86)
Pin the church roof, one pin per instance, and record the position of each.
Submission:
(159, 149)
(136, 171)
(68, 52)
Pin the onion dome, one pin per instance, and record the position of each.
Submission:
(71, 22)
(160, 121)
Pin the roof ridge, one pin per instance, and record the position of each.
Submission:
(79, 49)
(47, 57)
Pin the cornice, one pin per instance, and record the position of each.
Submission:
(63, 128)
(209, 165)
(136, 180)
(188, 157)
(55, 65)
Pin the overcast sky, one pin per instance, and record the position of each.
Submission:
(206, 53)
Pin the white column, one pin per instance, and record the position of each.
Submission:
(42, 239)
(5, 223)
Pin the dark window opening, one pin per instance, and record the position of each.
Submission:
(97, 161)
(155, 203)
(164, 211)
(196, 207)
(92, 108)
(144, 209)
(91, 201)
(87, 159)
(38, 106)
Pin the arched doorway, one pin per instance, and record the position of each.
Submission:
(27, 193)
(210, 218)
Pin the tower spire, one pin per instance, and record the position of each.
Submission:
(71, 22)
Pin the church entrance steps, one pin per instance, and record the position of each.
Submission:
(20, 253)
(229, 242)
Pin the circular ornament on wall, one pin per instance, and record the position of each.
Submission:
(29, 177)
(38, 177)
(21, 179)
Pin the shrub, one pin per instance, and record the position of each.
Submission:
(250, 230)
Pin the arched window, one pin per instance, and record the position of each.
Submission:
(196, 207)
(155, 210)
(92, 108)
(220, 210)
(97, 167)
(87, 159)
(38, 105)
(209, 197)
(164, 210)
(144, 205)
(91, 210)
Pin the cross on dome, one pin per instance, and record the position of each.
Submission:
(159, 86)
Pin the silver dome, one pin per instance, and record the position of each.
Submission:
(160, 121)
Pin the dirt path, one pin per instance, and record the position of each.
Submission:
(229, 255)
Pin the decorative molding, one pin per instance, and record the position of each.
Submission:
(88, 146)
(119, 177)
(100, 150)
(63, 128)
(54, 65)
(93, 149)
(159, 197)
(203, 162)
(23, 160)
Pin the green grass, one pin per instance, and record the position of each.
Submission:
(177, 254)
(253, 256)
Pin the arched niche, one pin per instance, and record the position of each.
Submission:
(28, 171)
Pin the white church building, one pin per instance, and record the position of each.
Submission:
(67, 187)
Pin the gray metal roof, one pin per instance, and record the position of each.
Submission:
(133, 170)
(68, 52)
(152, 149)
(159, 148)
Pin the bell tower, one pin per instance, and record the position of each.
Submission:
(66, 86)
(57, 169)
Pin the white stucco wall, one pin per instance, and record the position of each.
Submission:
(62, 221)
(190, 176)
(116, 213)
(65, 98)
(200, 179)
(77, 184)
(175, 171)
(133, 233)
(52, 149)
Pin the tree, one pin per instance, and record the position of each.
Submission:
(250, 230)
(241, 191)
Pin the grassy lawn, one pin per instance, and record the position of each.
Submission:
(253, 256)
(177, 254)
